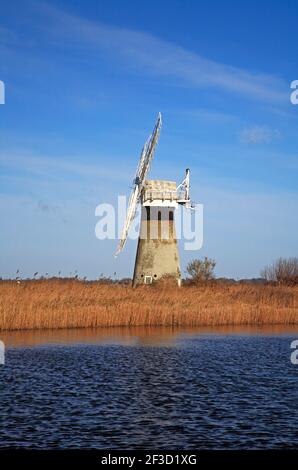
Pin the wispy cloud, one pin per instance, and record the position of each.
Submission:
(149, 54)
(7, 36)
(210, 115)
(53, 167)
(258, 135)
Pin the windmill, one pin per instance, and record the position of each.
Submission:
(157, 253)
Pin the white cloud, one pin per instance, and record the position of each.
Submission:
(145, 52)
(258, 135)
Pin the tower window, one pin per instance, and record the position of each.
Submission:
(159, 225)
(171, 224)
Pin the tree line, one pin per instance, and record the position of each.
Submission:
(281, 271)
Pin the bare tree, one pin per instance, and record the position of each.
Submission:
(201, 270)
(283, 271)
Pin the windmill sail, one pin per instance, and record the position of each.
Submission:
(141, 173)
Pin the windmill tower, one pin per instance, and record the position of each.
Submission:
(157, 253)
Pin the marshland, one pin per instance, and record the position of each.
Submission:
(74, 303)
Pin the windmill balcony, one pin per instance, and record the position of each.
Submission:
(159, 193)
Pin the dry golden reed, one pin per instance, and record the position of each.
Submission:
(75, 304)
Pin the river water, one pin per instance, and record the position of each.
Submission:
(140, 388)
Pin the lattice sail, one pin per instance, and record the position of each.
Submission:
(146, 158)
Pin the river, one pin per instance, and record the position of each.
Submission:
(142, 388)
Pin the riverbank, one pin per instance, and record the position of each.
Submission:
(59, 303)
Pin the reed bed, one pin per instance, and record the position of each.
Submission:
(44, 304)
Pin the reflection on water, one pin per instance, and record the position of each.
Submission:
(226, 388)
(142, 335)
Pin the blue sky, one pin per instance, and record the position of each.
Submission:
(84, 82)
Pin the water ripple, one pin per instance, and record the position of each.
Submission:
(206, 392)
